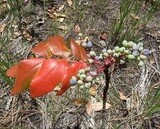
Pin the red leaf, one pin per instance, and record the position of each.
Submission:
(48, 77)
(13, 71)
(58, 47)
(78, 51)
(71, 71)
(24, 73)
(55, 45)
(41, 49)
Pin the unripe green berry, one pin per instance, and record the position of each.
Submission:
(130, 44)
(122, 62)
(126, 51)
(125, 43)
(93, 82)
(141, 63)
(116, 49)
(81, 86)
(89, 78)
(84, 44)
(82, 71)
(102, 43)
(116, 54)
(87, 69)
(105, 54)
(121, 49)
(138, 58)
(131, 57)
(109, 51)
(101, 56)
(92, 53)
(90, 61)
(140, 49)
(97, 79)
(82, 76)
(80, 82)
(87, 85)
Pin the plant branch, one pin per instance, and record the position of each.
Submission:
(105, 90)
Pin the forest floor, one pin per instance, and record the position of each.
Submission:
(134, 93)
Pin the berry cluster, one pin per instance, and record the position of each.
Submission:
(136, 52)
(86, 78)
(128, 51)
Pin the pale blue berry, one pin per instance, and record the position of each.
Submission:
(135, 47)
(135, 53)
(93, 73)
(140, 44)
(73, 80)
(104, 50)
(86, 39)
(89, 44)
(90, 61)
(97, 57)
(146, 52)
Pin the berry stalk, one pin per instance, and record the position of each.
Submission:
(105, 90)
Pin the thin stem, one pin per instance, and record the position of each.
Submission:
(107, 80)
